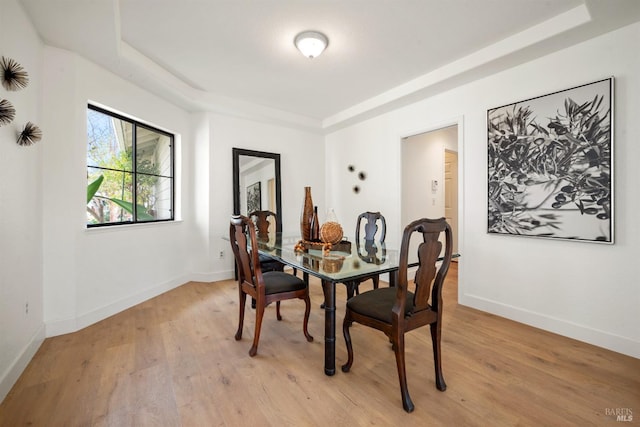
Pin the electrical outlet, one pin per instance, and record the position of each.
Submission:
(221, 254)
(26, 308)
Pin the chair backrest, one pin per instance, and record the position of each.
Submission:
(242, 234)
(429, 277)
(371, 227)
(263, 220)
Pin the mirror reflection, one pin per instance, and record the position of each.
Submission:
(256, 182)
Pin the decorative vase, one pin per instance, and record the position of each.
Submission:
(307, 215)
(331, 216)
(315, 226)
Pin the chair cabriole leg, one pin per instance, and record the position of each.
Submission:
(437, 362)
(305, 323)
(256, 336)
(243, 299)
(398, 347)
(347, 339)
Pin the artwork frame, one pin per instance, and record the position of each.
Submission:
(254, 197)
(550, 165)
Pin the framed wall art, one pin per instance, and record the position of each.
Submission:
(254, 197)
(550, 165)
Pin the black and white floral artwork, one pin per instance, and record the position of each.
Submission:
(550, 165)
(254, 197)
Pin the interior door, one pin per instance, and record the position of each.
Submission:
(451, 193)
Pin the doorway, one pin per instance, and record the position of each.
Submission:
(430, 178)
(451, 193)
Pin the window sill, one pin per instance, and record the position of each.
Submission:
(136, 226)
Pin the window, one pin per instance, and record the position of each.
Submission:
(127, 161)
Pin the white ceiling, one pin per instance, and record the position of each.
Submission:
(237, 56)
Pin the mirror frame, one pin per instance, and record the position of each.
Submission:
(237, 152)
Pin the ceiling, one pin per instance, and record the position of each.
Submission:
(238, 57)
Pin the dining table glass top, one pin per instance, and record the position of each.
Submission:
(344, 262)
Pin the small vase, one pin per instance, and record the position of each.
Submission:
(315, 226)
(331, 216)
(306, 216)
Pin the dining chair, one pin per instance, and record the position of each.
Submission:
(375, 231)
(265, 288)
(397, 310)
(265, 222)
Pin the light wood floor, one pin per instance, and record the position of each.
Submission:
(173, 361)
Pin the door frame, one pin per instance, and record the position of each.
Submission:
(454, 226)
(430, 127)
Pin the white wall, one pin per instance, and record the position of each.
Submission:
(90, 274)
(20, 204)
(364, 146)
(582, 290)
(301, 163)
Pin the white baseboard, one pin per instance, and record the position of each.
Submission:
(212, 277)
(65, 326)
(11, 375)
(69, 325)
(556, 325)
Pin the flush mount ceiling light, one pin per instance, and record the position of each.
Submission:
(311, 43)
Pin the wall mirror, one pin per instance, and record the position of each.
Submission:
(256, 182)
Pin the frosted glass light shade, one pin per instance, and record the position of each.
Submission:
(311, 43)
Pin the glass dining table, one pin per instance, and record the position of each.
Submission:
(345, 263)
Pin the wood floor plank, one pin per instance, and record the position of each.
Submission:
(173, 361)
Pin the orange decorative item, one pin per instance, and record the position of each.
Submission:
(331, 232)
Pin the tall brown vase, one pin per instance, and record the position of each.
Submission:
(306, 215)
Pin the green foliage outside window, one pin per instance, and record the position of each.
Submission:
(112, 174)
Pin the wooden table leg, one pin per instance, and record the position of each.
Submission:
(329, 289)
(393, 278)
